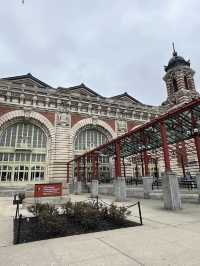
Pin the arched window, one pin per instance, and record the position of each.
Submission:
(23, 147)
(21, 135)
(89, 138)
(175, 85)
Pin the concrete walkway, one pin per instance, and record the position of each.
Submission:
(167, 238)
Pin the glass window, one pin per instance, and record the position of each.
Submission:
(89, 138)
(5, 173)
(24, 143)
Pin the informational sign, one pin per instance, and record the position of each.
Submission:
(48, 190)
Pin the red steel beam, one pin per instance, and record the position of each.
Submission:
(153, 122)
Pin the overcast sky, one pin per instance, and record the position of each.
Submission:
(112, 46)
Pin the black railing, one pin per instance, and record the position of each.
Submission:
(157, 183)
(183, 183)
(189, 184)
(130, 181)
(96, 201)
(105, 180)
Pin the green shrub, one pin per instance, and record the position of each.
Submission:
(49, 220)
(117, 214)
(86, 214)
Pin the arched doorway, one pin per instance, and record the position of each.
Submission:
(23, 153)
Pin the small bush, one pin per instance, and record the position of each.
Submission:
(78, 217)
(117, 214)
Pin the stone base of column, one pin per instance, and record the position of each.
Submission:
(171, 193)
(77, 187)
(120, 189)
(29, 192)
(94, 189)
(71, 185)
(147, 185)
(198, 184)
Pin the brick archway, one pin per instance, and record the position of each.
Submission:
(89, 121)
(31, 116)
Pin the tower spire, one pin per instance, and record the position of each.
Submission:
(174, 51)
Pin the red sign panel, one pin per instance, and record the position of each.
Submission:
(48, 190)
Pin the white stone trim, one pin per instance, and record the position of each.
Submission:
(32, 115)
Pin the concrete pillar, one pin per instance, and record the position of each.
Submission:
(147, 185)
(198, 184)
(29, 192)
(77, 187)
(120, 189)
(94, 188)
(171, 193)
(65, 188)
(71, 185)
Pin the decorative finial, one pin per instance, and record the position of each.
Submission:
(174, 51)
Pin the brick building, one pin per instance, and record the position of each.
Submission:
(41, 127)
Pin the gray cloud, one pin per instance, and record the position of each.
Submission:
(111, 46)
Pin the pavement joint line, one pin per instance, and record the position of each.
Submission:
(121, 252)
(155, 221)
(85, 260)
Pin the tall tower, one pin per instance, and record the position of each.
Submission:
(179, 81)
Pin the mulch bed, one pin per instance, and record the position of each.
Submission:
(31, 229)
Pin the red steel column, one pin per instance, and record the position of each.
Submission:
(146, 161)
(117, 159)
(197, 144)
(196, 139)
(67, 172)
(78, 170)
(164, 138)
(142, 164)
(84, 169)
(94, 166)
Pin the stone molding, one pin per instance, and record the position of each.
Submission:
(24, 114)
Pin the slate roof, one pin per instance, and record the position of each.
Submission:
(125, 94)
(28, 76)
(81, 86)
